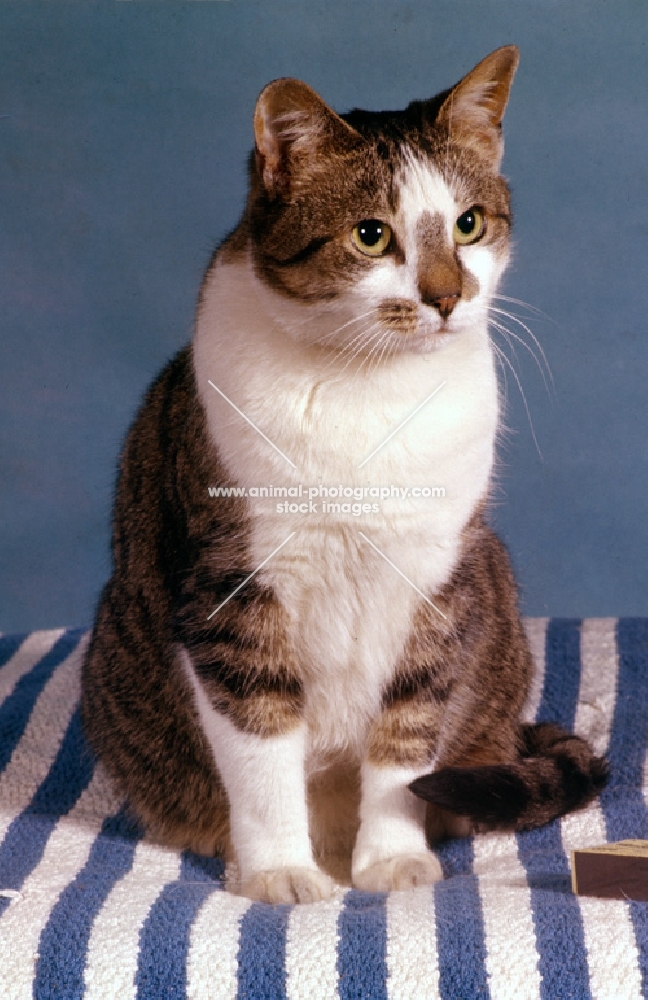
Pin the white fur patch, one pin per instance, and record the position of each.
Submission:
(392, 819)
(350, 612)
(423, 189)
(265, 785)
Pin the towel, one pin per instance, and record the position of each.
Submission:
(90, 907)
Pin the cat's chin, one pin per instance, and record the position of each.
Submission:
(430, 336)
(427, 343)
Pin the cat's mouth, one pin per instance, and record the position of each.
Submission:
(417, 325)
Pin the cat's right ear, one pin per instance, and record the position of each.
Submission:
(291, 126)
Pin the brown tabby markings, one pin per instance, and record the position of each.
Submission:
(174, 560)
(434, 689)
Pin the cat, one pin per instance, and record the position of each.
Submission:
(275, 687)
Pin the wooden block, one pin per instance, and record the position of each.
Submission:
(613, 871)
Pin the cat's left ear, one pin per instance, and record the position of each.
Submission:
(474, 109)
(292, 125)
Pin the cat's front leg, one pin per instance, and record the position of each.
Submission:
(391, 849)
(264, 778)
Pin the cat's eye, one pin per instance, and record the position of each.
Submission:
(372, 237)
(469, 227)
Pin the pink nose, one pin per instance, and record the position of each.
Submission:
(445, 304)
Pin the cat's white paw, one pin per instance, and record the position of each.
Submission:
(404, 871)
(288, 885)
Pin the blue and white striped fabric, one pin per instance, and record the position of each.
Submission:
(90, 908)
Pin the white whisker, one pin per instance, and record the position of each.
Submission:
(525, 305)
(508, 315)
(368, 336)
(498, 356)
(386, 340)
(331, 334)
(375, 342)
(508, 334)
(524, 399)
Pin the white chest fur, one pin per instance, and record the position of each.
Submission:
(349, 607)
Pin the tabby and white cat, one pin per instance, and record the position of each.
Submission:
(268, 685)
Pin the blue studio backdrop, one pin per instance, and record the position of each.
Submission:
(124, 131)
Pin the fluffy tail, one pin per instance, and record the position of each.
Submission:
(555, 773)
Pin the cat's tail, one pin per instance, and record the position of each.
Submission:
(555, 773)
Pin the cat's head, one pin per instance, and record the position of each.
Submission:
(382, 230)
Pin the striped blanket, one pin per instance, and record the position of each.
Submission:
(91, 908)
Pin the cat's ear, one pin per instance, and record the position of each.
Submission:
(473, 110)
(292, 125)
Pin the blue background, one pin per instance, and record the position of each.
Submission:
(122, 160)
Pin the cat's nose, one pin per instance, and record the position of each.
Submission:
(440, 282)
(445, 303)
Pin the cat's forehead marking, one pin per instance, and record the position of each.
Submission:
(431, 229)
(426, 203)
(423, 188)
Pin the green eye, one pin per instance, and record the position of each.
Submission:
(469, 227)
(371, 237)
